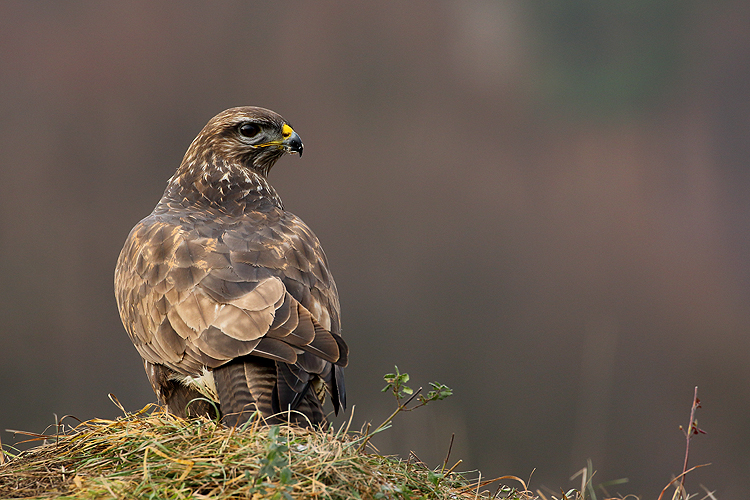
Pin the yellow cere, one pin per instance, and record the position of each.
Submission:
(286, 131)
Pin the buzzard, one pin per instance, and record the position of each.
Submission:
(226, 295)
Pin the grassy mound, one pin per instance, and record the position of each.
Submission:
(152, 454)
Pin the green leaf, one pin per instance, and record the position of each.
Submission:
(434, 477)
(285, 476)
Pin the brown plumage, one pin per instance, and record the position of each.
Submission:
(227, 296)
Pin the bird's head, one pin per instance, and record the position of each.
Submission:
(252, 137)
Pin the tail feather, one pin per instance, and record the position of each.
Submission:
(253, 383)
(308, 404)
(236, 392)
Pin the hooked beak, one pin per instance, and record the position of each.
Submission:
(292, 142)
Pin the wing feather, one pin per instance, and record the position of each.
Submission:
(276, 350)
(201, 293)
(220, 346)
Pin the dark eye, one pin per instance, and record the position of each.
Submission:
(249, 130)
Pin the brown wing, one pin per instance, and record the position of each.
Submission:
(202, 290)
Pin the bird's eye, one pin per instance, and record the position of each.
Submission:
(249, 130)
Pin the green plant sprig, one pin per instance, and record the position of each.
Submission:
(396, 383)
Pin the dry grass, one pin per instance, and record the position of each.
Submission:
(151, 454)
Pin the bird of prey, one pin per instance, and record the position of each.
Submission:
(226, 295)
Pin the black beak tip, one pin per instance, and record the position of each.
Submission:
(294, 143)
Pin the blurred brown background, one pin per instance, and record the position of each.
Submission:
(542, 205)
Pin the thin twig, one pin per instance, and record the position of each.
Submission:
(401, 407)
(453, 468)
(410, 398)
(448, 455)
(688, 435)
